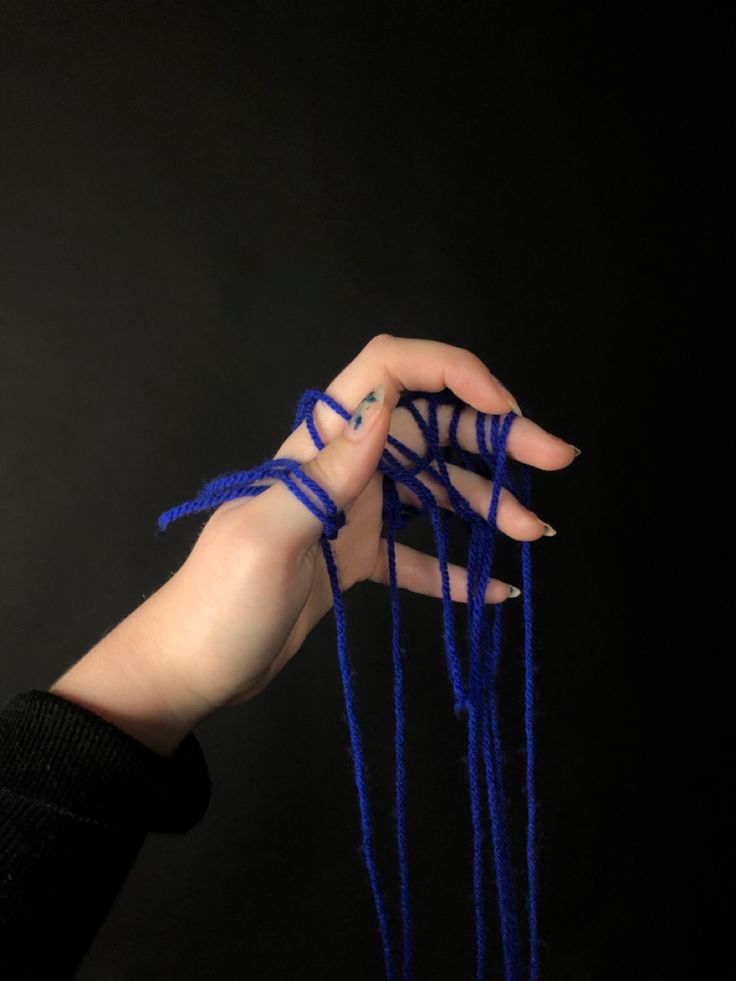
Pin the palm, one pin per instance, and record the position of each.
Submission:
(356, 551)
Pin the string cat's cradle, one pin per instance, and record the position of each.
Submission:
(473, 684)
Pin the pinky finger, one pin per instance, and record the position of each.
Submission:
(420, 573)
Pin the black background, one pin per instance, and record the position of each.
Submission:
(206, 209)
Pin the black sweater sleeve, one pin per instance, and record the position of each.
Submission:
(77, 798)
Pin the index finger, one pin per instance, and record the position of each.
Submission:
(405, 363)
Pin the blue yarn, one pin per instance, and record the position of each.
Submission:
(358, 762)
(491, 732)
(531, 804)
(476, 697)
(480, 560)
(393, 521)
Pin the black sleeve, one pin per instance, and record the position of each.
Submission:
(77, 798)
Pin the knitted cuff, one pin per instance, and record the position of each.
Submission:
(64, 755)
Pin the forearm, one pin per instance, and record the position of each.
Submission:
(128, 679)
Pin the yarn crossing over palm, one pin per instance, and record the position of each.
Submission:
(473, 686)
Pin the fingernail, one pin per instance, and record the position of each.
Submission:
(365, 414)
(548, 530)
(576, 450)
(515, 406)
(510, 399)
(514, 591)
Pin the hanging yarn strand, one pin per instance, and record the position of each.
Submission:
(531, 802)
(358, 762)
(392, 520)
(473, 687)
(479, 564)
(496, 464)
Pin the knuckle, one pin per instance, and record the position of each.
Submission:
(380, 340)
(332, 475)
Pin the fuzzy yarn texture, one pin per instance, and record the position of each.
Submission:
(473, 683)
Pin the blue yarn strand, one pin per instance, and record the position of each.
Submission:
(531, 804)
(492, 763)
(477, 698)
(497, 464)
(482, 558)
(392, 507)
(497, 810)
(358, 762)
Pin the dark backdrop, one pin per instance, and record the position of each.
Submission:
(206, 209)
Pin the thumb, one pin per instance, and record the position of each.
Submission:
(342, 469)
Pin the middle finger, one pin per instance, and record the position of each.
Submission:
(512, 518)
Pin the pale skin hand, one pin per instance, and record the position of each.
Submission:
(255, 582)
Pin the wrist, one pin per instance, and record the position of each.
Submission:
(123, 680)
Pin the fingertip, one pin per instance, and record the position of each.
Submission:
(508, 396)
(509, 399)
(530, 443)
(515, 407)
(477, 385)
(571, 453)
(499, 592)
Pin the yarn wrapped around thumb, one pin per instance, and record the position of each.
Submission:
(341, 469)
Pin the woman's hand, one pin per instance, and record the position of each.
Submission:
(255, 583)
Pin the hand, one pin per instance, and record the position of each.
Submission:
(255, 582)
